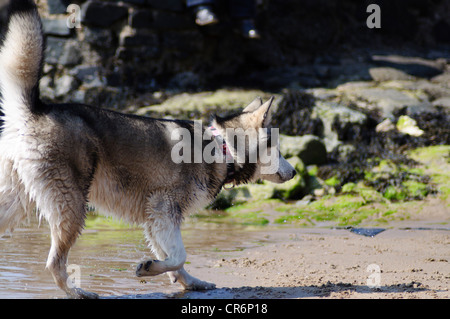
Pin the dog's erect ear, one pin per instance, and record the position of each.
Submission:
(256, 103)
(264, 114)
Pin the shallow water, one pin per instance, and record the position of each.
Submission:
(108, 256)
(107, 260)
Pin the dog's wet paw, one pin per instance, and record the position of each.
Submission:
(78, 293)
(143, 269)
(200, 285)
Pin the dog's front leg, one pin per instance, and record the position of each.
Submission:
(164, 237)
(165, 240)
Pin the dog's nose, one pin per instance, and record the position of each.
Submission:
(294, 172)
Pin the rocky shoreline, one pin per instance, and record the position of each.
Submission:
(356, 135)
(348, 117)
(124, 49)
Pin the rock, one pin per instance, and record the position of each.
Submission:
(387, 101)
(137, 45)
(48, 68)
(292, 77)
(98, 37)
(322, 93)
(54, 50)
(58, 6)
(55, 27)
(185, 81)
(340, 123)
(135, 38)
(85, 73)
(298, 104)
(354, 85)
(108, 97)
(309, 148)
(443, 102)
(408, 126)
(45, 88)
(319, 192)
(434, 90)
(418, 67)
(185, 41)
(385, 126)
(229, 197)
(330, 111)
(102, 14)
(382, 74)
(350, 71)
(141, 19)
(138, 54)
(344, 152)
(304, 201)
(348, 187)
(64, 85)
(203, 105)
(71, 53)
(88, 75)
(292, 189)
(62, 51)
(443, 79)
(78, 96)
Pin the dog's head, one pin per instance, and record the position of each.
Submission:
(254, 145)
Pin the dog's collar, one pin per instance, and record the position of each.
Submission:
(228, 157)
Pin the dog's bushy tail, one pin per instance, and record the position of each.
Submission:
(21, 59)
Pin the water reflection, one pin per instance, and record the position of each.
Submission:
(107, 260)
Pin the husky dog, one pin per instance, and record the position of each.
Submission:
(57, 158)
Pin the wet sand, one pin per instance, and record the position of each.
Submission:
(409, 259)
(326, 263)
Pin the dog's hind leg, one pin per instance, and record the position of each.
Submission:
(65, 210)
(64, 234)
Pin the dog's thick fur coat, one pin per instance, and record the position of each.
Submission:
(57, 158)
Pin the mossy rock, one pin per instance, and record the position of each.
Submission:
(309, 148)
(202, 105)
(416, 189)
(395, 193)
(292, 189)
(407, 125)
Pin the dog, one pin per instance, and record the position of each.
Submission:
(56, 159)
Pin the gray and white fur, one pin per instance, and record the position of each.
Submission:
(58, 158)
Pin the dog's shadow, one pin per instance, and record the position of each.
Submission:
(341, 290)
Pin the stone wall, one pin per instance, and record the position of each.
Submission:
(126, 48)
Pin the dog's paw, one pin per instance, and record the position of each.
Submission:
(149, 268)
(143, 268)
(77, 293)
(200, 285)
